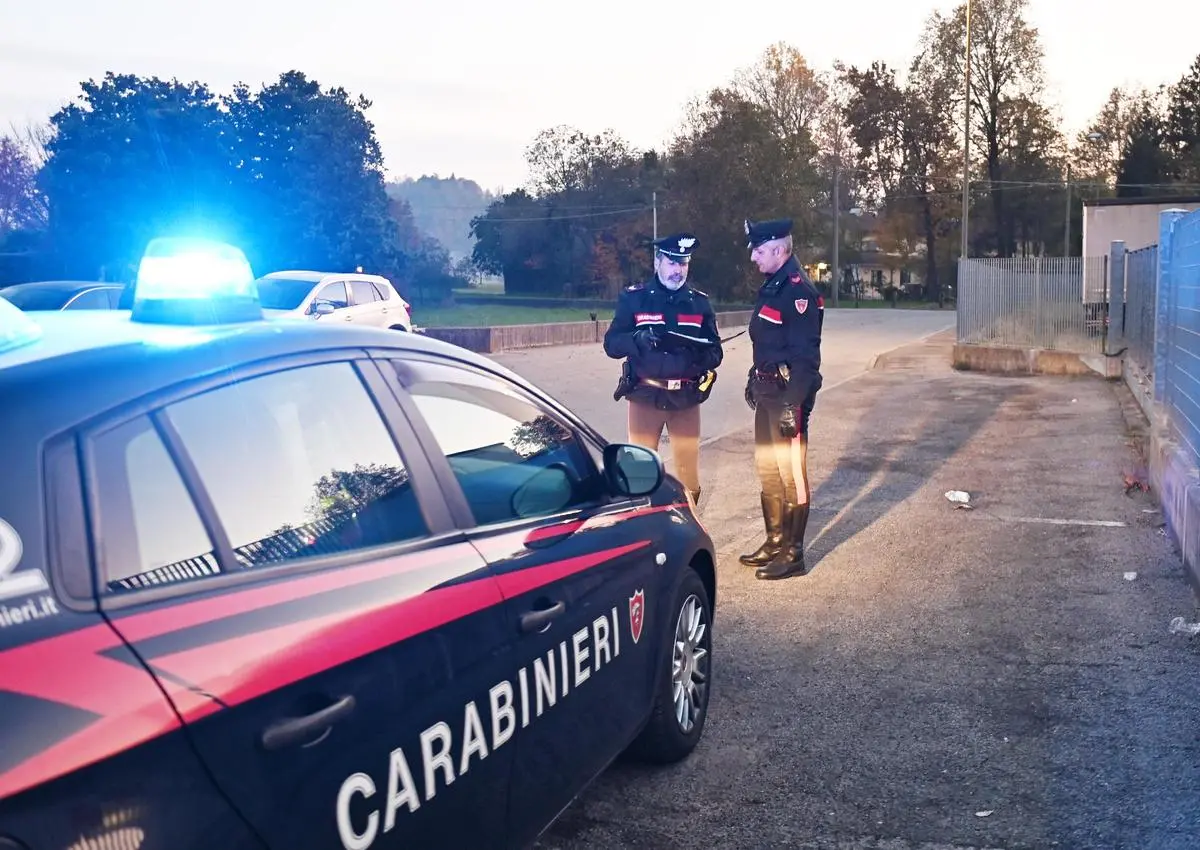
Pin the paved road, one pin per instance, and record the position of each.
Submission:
(584, 378)
(943, 678)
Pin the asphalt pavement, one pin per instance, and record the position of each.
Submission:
(584, 378)
(995, 677)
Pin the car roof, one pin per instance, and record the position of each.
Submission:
(61, 285)
(317, 277)
(89, 362)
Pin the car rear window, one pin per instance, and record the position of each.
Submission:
(37, 299)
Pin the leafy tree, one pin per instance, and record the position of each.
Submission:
(310, 171)
(727, 165)
(876, 114)
(1006, 69)
(1146, 161)
(511, 240)
(131, 159)
(1096, 154)
(20, 201)
(1033, 153)
(1182, 124)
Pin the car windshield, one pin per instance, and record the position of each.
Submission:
(37, 298)
(276, 293)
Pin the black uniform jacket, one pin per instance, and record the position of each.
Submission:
(786, 330)
(673, 316)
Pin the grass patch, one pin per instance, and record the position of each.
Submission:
(491, 315)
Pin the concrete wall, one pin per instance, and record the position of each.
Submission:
(509, 337)
(1136, 224)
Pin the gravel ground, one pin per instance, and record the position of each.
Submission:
(942, 678)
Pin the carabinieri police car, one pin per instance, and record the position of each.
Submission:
(270, 584)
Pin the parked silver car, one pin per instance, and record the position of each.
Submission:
(364, 299)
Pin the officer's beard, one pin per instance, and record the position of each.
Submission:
(672, 283)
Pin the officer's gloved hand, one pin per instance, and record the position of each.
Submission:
(750, 396)
(645, 339)
(788, 426)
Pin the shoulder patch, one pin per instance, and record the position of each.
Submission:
(635, 287)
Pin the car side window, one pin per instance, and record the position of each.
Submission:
(297, 463)
(381, 291)
(334, 293)
(150, 530)
(512, 458)
(362, 292)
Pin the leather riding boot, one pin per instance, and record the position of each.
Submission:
(772, 511)
(790, 560)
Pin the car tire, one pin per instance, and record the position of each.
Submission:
(399, 328)
(665, 739)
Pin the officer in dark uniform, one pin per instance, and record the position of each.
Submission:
(667, 332)
(785, 336)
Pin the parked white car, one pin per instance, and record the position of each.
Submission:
(364, 299)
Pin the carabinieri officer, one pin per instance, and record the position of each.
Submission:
(666, 330)
(785, 336)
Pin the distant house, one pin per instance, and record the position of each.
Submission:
(876, 257)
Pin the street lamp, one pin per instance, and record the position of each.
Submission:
(966, 198)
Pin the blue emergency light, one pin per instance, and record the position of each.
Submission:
(16, 328)
(191, 281)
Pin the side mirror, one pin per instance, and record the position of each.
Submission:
(632, 470)
(322, 308)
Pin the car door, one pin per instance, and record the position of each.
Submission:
(574, 574)
(85, 731)
(277, 551)
(368, 309)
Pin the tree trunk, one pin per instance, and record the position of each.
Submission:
(932, 289)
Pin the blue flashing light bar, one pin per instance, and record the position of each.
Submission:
(190, 281)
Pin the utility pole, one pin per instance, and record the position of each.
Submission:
(966, 199)
(654, 203)
(837, 210)
(1067, 237)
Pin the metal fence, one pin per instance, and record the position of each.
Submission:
(1135, 330)
(1177, 340)
(1057, 303)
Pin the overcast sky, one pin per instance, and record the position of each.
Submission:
(465, 96)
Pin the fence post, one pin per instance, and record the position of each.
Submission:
(1165, 313)
(1116, 286)
(1037, 305)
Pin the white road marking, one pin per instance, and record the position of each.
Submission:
(1100, 523)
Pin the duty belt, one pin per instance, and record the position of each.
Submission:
(773, 372)
(668, 384)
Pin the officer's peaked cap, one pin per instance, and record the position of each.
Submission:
(758, 232)
(677, 246)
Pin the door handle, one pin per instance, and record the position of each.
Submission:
(293, 730)
(535, 621)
